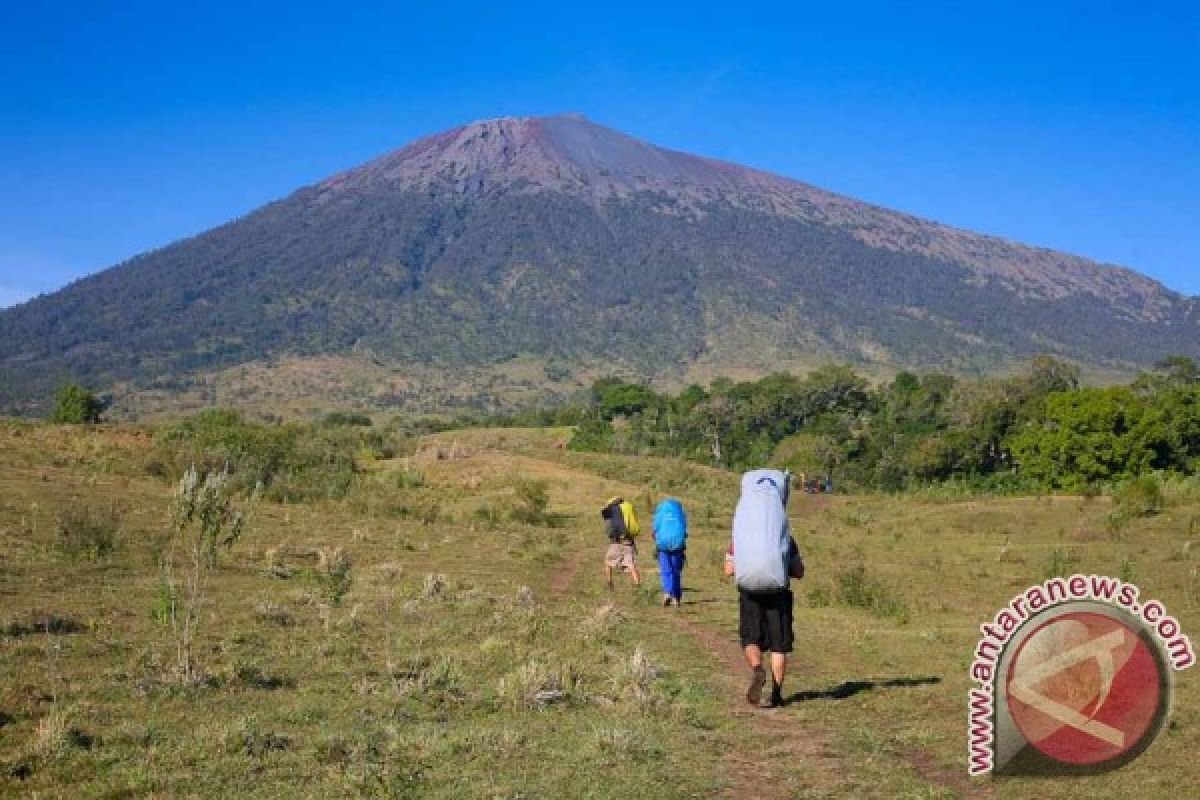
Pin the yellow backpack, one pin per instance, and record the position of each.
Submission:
(631, 521)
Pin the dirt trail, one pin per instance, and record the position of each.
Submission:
(781, 751)
(566, 575)
(778, 755)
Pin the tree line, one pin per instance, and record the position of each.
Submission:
(1038, 429)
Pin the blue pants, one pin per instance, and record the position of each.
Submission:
(670, 567)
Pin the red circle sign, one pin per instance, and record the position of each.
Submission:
(1085, 688)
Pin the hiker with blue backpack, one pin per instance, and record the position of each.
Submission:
(670, 539)
(763, 558)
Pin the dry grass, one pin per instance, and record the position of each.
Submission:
(454, 668)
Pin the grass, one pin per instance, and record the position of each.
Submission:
(352, 650)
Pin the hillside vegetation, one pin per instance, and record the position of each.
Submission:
(573, 246)
(1037, 430)
(410, 614)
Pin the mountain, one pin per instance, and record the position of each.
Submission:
(509, 259)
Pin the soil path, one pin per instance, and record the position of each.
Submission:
(776, 755)
(565, 577)
(779, 756)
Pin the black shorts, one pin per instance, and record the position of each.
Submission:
(765, 619)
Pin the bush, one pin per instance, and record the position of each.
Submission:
(333, 574)
(87, 532)
(203, 519)
(288, 463)
(855, 588)
(534, 685)
(341, 418)
(1059, 565)
(1181, 489)
(1139, 497)
(408, 478)
(532, 500)
(75, 405)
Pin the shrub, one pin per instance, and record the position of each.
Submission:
(84, 531)
(633, 679)
(602, 622)
(75, 405)
(855, 588)
(489, 516)
(56, 734)
(269, 612)
(249, 739)
(408, 478)
(333, 574)
(1059, 564)
(534, 685)
(819, 596)
(250, 675)
(438, 681)
(1127, 573)
(202, 520)
(532, 500)
(289, 463)
(434, 586)
(1139, 497)
(1180, 489)
(348, 419)
(38, 622)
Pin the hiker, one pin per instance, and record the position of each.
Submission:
(670, 539)
(763, 557)
(621, 525)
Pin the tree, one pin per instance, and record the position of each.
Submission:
(1046, 374)
(714, 416)
(1179, 370)
(619, 399)
(75, 405)
(1089, 436)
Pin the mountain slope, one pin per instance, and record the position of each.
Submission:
(575, 244)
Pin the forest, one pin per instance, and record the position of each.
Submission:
(1038, 429)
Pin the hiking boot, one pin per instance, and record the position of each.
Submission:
(754, 693)
(666, 603)
(776, 697)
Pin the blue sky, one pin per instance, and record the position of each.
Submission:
(1068, 125)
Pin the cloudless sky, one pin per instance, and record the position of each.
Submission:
(1070, 125)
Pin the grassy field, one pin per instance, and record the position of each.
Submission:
(436, 633)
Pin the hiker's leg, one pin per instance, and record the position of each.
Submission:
(608, 570)
(778, 668)
(757, 675)
(753, 655)
(664, 572)
(633, 573)
(780, 635)
(677, 576)
(752, 633)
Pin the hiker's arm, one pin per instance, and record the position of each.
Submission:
(795, 560)
(729, 563)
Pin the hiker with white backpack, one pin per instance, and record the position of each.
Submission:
(763, 558)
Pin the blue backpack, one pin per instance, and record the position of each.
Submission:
(670, 526)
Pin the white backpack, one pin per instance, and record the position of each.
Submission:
(761, 533)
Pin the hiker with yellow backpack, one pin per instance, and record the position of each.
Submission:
(621, 526)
